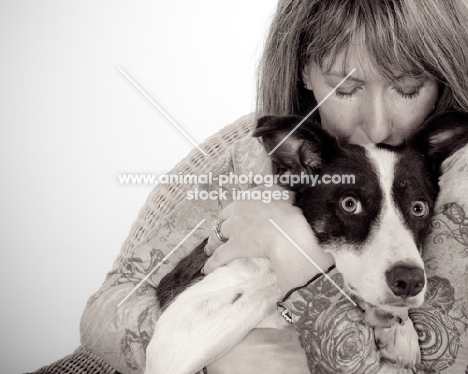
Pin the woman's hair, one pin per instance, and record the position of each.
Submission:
(402, 37)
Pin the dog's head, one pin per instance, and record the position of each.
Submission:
(370, 205)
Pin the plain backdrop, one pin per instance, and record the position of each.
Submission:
(71, 122)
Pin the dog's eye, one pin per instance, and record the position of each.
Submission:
(419, 209)
(350, 205)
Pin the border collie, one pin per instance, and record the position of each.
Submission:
(375, 229)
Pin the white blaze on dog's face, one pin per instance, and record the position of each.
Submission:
(386, 268)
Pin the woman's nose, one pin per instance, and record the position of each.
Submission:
(377, 123)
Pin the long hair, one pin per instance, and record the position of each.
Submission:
(403, 37)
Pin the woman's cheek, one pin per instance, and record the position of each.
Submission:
(409, 117)
(339, 117)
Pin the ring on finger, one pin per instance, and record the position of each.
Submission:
(216, 227)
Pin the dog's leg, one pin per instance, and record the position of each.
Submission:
(210, 317)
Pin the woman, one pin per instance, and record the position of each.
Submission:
(410, 60)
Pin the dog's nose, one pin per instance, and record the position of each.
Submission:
(405, 281)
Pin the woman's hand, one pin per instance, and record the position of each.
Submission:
(264, 351)
(250, 233)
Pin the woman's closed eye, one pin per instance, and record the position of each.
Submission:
(347, 92)
(408, 92)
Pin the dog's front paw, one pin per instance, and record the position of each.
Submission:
(399, 344)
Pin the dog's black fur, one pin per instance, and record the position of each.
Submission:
(186, 272)
(439, 137)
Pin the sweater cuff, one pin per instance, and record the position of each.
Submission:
(286, 306)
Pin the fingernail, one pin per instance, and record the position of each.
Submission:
(202, 271)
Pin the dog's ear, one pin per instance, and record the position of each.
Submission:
(440, 136)
(303, 150)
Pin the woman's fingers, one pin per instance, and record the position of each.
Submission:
(224, 254)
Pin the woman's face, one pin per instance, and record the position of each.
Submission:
(367, 107)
